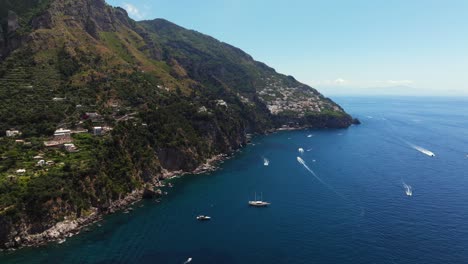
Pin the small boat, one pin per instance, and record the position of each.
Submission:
(258, 203)
(203, 217)
(408, 189)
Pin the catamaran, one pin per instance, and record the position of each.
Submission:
(258, 203)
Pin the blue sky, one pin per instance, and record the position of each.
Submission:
(417, 47)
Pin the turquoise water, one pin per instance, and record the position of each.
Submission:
(356, 211)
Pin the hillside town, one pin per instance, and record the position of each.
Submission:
(281, 98)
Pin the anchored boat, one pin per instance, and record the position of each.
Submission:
(258, 203)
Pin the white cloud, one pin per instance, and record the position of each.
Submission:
(133, 11)
(340, 81)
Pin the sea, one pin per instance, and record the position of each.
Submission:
(391, 190)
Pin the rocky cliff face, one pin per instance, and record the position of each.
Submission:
(93, 16)
(173, 98)
(9, 39)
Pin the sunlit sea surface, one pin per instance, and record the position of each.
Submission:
(368, 194)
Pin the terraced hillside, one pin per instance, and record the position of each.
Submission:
(140, 101)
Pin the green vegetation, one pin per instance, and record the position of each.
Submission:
(103, 168)
(26, 9)
(172, 97)
(113, 41)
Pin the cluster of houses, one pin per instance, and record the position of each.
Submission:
(281, 98)
(40, 163)
(62, 137)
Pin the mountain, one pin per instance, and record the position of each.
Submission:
(169, 99)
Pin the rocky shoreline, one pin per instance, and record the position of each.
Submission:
(71, 227)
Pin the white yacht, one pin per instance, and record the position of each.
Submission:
(203, 217)
(258, 203)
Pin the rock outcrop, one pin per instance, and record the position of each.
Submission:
(12, 23)
(150, 193)
(2, 42)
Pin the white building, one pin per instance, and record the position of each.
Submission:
(97, 131)
(62, 132)
(13, 133)
(20, 171)
(221, 103)
(69, 147)
(92, 115)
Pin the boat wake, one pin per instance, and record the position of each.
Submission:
(266, 162)
(301, 150)
(302, 162)
(418, 148)
(408, 189)
(423, 150)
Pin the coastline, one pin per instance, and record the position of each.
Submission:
(71, 227)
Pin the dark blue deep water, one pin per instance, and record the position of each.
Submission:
(359, 213)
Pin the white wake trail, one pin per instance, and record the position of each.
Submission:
(423, 151)
(408, 189)
(302, 162)
(419, 148)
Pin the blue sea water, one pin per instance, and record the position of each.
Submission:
(353, 210)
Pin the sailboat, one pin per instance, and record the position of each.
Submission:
(258, 203)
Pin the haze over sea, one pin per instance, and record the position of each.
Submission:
(373, 195)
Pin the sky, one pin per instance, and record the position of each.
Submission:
(408, 47)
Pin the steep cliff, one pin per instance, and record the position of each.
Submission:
(171, 98)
